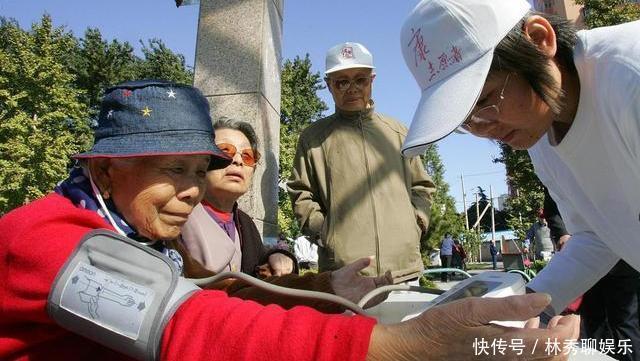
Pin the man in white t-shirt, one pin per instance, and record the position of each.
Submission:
(306, 253)
(446, 253)
(572, 100)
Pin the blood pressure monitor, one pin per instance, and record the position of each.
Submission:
(403, 305)
(487, 284)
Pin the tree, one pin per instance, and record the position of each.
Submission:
(443, 217)
(98, 64)
(162, 63)
(299, 107)
(527, 192)
(599, 13)
(42, 121)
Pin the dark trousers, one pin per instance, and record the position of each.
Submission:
(609, 310)
(446, 263)
(494, 261)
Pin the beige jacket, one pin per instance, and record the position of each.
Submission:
(355, 194)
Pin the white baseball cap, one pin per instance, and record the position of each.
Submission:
(346, 56)
(448, 46)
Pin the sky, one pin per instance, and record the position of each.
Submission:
(309, 27)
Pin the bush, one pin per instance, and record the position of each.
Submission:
(538, 265)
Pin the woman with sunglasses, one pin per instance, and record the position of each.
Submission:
(220, 237)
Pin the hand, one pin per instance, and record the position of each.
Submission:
(280, 264)
(347, 283)
(562, 240)
(457, 331)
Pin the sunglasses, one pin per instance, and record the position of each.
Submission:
(249, 156)
(344, 84)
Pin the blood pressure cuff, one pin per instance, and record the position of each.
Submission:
(118, 293)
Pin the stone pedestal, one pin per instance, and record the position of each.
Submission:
(238, 58)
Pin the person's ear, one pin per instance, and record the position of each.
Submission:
(540, 32)
(99, 168)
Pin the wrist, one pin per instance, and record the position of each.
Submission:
(395, 342)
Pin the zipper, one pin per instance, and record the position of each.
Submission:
(373, 207)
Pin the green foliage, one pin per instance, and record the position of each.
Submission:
(161, 63)
(538, 265)
(98, 64)
(443, 218)
(287, 222)
(50, 87)
(609, 12)
(300, 105)
(471, 241)
(427, 282)
(528, 198)
(42, 121)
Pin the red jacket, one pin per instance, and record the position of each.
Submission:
(35, 241)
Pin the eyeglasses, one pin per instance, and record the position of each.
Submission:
(344, 84)
(249, 156)
(485, 115)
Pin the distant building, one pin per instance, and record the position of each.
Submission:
(564, 8)
(501, 201)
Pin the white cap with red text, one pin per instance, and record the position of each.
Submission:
(448, 46)
(346, 56)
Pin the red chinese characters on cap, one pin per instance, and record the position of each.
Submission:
(421, 54)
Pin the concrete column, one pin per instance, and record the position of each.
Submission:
(238, 59)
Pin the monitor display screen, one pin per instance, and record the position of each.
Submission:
(473, 289)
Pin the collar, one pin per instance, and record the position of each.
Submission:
(220, 215)
(358, 114)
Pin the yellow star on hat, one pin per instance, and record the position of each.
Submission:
(146, 112)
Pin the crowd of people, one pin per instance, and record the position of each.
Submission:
(100, 268)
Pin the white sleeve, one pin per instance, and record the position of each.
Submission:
(574, 270)
(581, 263)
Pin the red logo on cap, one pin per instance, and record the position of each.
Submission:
(347, 52)
(420, 50)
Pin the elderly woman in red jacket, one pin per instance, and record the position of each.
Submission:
(86, 272)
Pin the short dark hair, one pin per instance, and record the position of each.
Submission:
(517, 54)
(244, 127)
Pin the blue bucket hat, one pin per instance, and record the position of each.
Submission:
(154, 117)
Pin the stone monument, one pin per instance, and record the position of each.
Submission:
(237, 67)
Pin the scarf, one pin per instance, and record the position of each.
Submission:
(77, 188)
